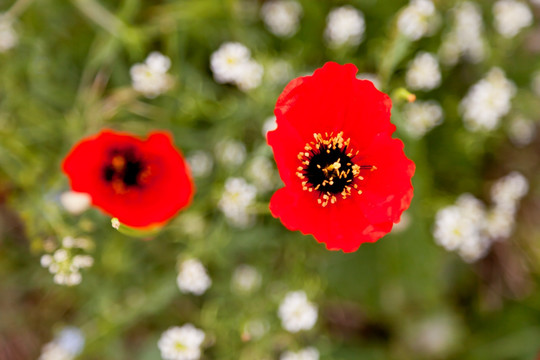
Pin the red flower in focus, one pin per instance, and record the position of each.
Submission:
(346, 180)
(143, 183)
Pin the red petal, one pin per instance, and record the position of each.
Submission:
(333, 100)
(169, 189)
(340, 226)
(386, 191)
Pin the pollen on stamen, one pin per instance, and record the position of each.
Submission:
(327, 168)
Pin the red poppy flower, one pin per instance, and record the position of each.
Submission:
(143, 183)
(346, 180)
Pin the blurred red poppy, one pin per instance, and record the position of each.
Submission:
(143, 183)
(347, 181)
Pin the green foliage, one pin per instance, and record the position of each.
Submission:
(69, 77)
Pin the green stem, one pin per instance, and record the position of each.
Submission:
(101, 16)
(18, 8)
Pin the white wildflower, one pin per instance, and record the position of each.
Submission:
(230, 153)
(53, 351)
(418, 19)
(511, 16)
(232, 63)
(150, 78)
(251, 76)
(65, 346)
(345, 26)
(422, 116)
(83, 261)
(235, 201)
(434, 336)
(450, 229)
(65, 266)
(469, 229)
(297, 312)
(200, 163)
(500, 222)
(181, 343)
(508, 190)
(375, 80)
(192, 277)
(228, 60)
(487, 101)
(466, 36)
(521, 131)
(309, 353)
(262, 173)
(270, 124)
(8, 36)
(474, 249)
(423, 72)
(68, 242)
(281, 17)
(71, 339)
(75, 202)
(505, 195)
(460, 228)
(246, 279)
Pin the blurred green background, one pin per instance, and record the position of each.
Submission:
(404, 297)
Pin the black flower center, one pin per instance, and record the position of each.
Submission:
(328, 168)
(125, 169)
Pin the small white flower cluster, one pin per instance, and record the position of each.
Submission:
(423, 72)
(418, 19)
(511, 16)
(261, 172)
(460, 228)
(232, 63)
(66, 346)
(75, 202)
(487, 101)
(345, 26)
(150, 78)
(422, 116)
(235, 201)
(181, 343)
(297, 312)
(192, 277)
(65, 264)
(309, 353)
(521, 131)
(433, 337)
(505, 195)
(8, 36)
(468, 228)
(200, 163)
(230, 153)
(465, 39)
(245, 279)
(281, 17)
